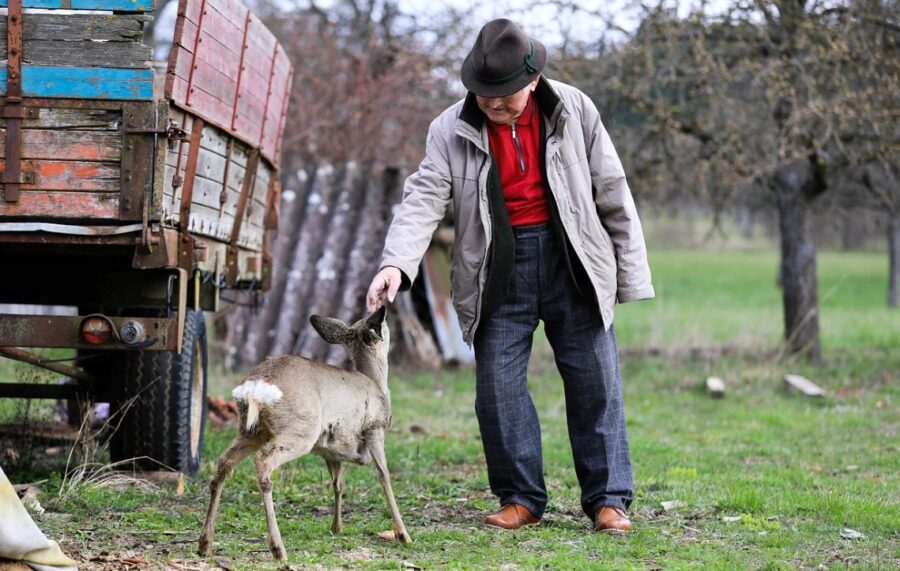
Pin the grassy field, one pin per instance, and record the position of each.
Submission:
(763, 479)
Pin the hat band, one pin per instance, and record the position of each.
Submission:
(528, 66)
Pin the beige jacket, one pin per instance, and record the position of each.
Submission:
(585, 178)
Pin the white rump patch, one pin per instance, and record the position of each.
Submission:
(257, 390)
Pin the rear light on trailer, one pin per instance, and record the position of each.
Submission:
(95, 330)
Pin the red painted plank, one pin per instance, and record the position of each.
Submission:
(214, 82)
(68, 145)
(187, 35)
(182, 63)
(209, 107)
(178, 90)
(63, 205)
(71, 175)
(277, 106)
(260, 38)
(229, 32)
(190, 9)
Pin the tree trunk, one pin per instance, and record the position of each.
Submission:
(893, 232)
(799, 279)
(301, 275)
(331, 267)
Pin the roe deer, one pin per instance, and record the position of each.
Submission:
(290, 406)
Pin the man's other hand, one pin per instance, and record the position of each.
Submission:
(385, 282)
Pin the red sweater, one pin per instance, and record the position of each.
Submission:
(516, 151)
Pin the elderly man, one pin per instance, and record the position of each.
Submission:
(545, 229)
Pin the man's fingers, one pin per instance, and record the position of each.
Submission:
(393, 286)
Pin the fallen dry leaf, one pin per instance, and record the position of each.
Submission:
(387, 535)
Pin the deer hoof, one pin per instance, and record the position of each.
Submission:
(404, 538)
(204, 547)
(279, 553)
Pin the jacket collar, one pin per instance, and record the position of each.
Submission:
(471, 122)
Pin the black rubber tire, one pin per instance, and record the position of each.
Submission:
(163, 426)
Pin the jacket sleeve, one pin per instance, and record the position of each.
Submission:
(426, 194)
(616, 209)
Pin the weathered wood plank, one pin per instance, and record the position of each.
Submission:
(192, 84)
(68, 145)
(216, 76)
(69, 27)
(63, 118)
(63, 205)
(279, 88)
(84, 82)
(85, 53)
(70, 175)
(206, 220)
(225, 20)
(117, 5)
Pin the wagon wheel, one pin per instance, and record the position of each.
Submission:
(162, 404)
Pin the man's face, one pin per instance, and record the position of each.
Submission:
(506, 109)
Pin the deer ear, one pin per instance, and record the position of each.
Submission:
(331, 330)
(374, 321)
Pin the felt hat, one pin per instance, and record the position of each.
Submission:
(502, 61)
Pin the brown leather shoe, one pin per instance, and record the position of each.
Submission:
(511, 516)
(611, 520)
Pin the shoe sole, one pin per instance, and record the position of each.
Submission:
(509, 528)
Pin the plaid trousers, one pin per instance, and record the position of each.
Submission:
(587, 359)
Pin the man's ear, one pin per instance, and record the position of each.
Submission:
(330, 329)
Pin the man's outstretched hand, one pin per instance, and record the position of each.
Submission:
(384, 284)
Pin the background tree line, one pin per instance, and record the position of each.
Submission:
(782, 110)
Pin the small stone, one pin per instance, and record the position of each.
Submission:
(671, 505)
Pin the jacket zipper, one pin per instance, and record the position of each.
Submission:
(470, 333)
(519, 152)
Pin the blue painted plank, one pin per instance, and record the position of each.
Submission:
(83, 82)
(121, 5)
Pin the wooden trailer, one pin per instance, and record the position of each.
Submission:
(134, 196)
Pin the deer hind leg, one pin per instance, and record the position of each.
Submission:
(270, 457)
(239, 449)
(337, 483)
(375, 444)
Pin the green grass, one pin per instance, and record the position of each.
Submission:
(767, 480)
(713, 298)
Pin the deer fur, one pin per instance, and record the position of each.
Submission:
(290, 406)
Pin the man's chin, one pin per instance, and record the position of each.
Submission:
(501, 118)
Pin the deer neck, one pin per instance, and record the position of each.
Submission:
(375, 369)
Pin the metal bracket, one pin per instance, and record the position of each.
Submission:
(12, 108)
(19, 112)
(172, 131)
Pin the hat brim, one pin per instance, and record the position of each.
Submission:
(483, 89)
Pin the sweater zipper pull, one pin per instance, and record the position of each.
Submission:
(519, 152)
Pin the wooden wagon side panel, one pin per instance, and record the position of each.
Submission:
(227, 68)
(218, 180)
(70, 158)
(94, 56)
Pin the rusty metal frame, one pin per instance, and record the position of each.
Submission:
(231, 260)
(65, 331)
(17, 354)
(197, 40)
(237, 91)
(262, 127)
(223, 196)
(279, 137)
(12, 109)
(139, 129)
(190, 171)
